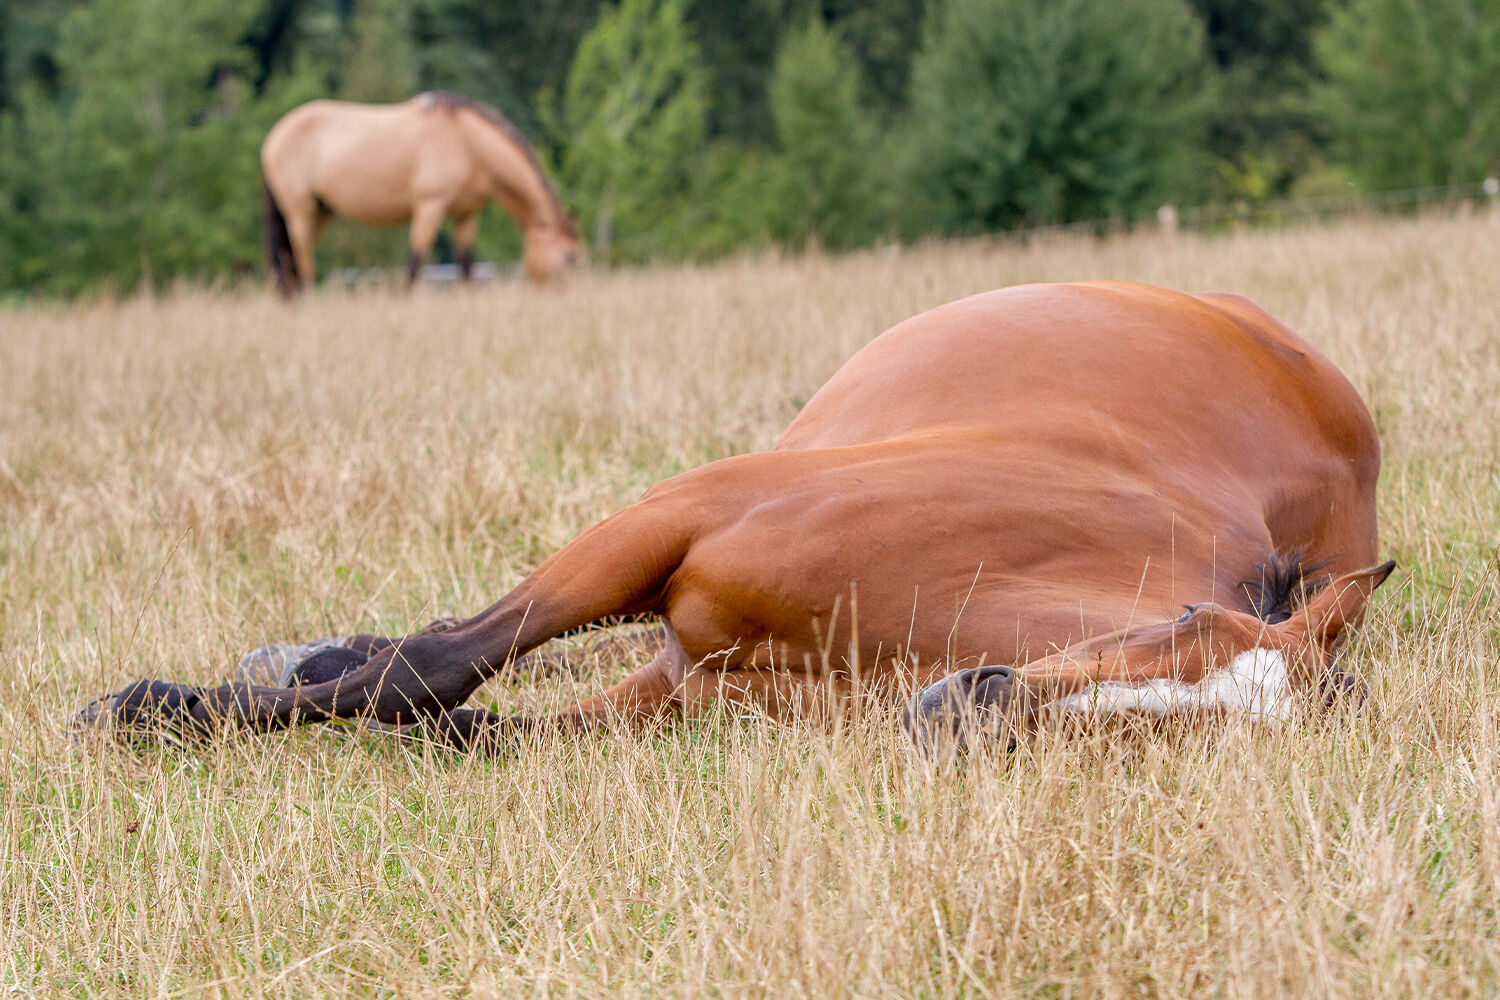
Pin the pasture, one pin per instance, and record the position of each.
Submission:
(185, 477)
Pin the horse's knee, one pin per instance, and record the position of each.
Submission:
(419, 677)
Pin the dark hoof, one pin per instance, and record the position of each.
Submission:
(92, 719)
(978, 705)
(327, 664)
(1344, 690)
(147, 711)
(468, 729)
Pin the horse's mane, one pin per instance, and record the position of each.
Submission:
(449, 101)
(1282, 587)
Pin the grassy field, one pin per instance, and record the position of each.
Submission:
(184, 478)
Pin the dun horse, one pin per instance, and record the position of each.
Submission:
(1003, 504)
(437, 156)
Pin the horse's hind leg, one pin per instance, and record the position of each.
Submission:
(620, 566)
(426, 219)
(465, 229)
(652, 692)
(305, 221)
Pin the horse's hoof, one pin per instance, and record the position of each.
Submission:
(272, 665)
(1344, 690)
(468, 730)
(978, 705)
(145, 711)
(91, 720)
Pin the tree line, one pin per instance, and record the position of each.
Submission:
(681, 129)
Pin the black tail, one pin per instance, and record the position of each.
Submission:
(1285, 582)
(280, 260)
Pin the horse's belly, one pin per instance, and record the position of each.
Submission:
(365, 179)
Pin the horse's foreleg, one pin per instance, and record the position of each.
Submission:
(426, 219)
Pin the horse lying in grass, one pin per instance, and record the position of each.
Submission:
(1002, 504)
(437, 156)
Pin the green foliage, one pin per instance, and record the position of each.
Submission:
(380, 67)
(635, 108)
(880, 34)
(827, 178)
(138, 170)
(1039, 111)
(504, 54)
(1262, 131)
(1413, 92)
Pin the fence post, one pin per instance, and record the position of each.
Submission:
(1166, 218)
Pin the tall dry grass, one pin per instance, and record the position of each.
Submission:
(186, 477)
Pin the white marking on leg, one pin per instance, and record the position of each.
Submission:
(1255, 683)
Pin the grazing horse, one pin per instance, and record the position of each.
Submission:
(437, 156)
(1003, 504)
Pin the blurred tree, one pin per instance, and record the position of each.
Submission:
(28, 41)
(1413, 91)
(883, 36)
(827, 174)
(1262, 130)
(142, 168)
(271, 39)
(740, 45)
(1040, 111)
(503, 54)
(635, 113)
(379, 66)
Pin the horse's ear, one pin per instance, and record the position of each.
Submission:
(1340, 604)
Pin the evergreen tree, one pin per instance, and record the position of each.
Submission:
(881, 34)
(1413, 92)
(380, 67)
(1041, 111)
(827, 172)
(635, 110)
(1262, 131)
(142, 167)
(505, 54)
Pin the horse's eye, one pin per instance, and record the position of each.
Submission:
(1187, 616)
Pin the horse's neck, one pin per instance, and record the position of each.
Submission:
(519, 183)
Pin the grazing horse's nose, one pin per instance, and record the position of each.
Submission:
(961, 709)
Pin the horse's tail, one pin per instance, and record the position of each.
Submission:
(280, 259)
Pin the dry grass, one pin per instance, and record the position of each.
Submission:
(181, 479)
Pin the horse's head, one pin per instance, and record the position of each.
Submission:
(1211, 659)
(551, 251)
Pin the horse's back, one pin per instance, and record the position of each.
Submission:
(1048, 356)
(364, 161)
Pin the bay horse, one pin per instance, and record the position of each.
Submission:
(437, 156)
(1001, 504)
